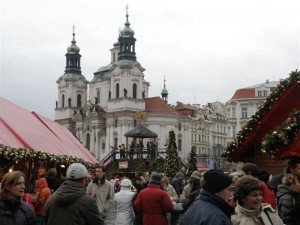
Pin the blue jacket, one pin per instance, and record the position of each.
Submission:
(208, 209)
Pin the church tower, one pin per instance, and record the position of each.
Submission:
(164, 92)
(72, 88)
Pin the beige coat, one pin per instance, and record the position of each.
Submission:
(105, 195)
(243, 216)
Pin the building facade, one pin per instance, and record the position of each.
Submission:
(100, 117)
(244, 103)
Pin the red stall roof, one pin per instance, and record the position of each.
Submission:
(288, 102)
(23, 129)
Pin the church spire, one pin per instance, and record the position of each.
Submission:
(73, 57)
(127, 41)
(164, 91)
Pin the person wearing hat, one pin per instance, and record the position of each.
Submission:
(211, 207)
(249, 209)
(187, 188)
(194, 183)
(69, 204)
(123, 201)
(154, 202)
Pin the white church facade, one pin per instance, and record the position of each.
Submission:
(116, 93)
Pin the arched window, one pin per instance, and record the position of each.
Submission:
(134, 90)
(78, 100)
(116, 123)
(88, 141)
(117, 90)
(98, 97)
(63, 101)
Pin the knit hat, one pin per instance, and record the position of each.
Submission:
(126, 183)
(196, 175)
(215, 181)
(156, 178)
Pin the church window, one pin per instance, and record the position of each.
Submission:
(143, 95)
(98, 97)
(114, 57)
(116, 123)
(69, 102)
(134, 90)
(116, 142)
(117, 90)
(179, 145)
(78, 100)
(88, 140)
(109, 95)
(179, 126)
(63, 101)
(134, 123)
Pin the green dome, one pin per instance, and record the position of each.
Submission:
(164, 91)
(73, 48)
(127, 31)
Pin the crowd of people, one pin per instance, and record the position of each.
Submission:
(247, 197)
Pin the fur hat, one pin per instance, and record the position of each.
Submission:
(244, 185)
(215, 181)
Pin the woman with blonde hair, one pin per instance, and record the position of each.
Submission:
(169, 188)
(12, 209)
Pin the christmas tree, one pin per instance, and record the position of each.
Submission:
(192, 161)
(172, 164)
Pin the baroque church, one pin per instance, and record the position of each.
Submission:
(99, 112)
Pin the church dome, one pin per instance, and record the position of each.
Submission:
(164, 91)
(127, 31)
(73, 48)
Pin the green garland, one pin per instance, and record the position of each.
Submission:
(263, 109)
(284, 135)
(25, 154)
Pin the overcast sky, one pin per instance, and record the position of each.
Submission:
(206, 49)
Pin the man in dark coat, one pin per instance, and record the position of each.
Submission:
(70, 204)
(211, 208)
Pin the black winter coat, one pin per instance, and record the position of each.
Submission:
(16, 213)
(192, 196)
(208, 209)
(53, 182)
(70, 205)
(288, 204)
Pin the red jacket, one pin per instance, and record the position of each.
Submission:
(269, 195)
(154, 203)
(43, 195)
